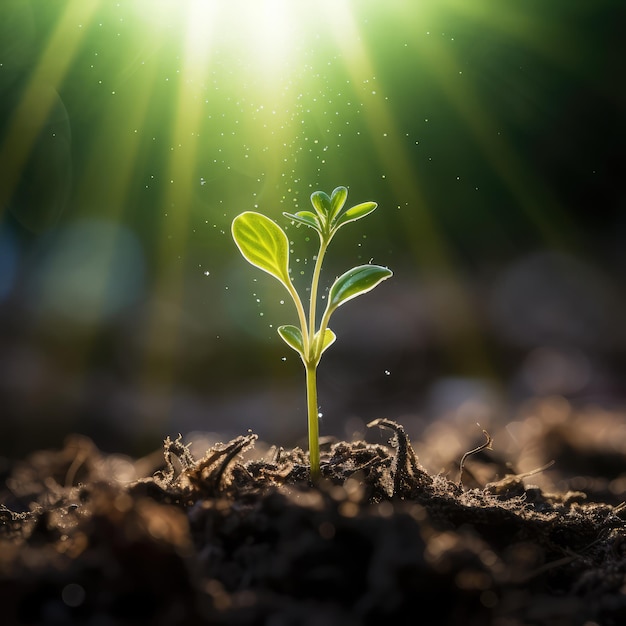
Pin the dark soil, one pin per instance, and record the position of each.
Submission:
(96, 539)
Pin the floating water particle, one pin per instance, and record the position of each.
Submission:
(387, 373)
(207, 273)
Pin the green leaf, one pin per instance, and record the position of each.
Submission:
(337, 200)
(292, 336)
(329, 339)
(354, 213)
(354, 282)
(305, 217)
(321, 203)
(263, 244)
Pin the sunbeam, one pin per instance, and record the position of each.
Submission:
(162, 326)
(423, 235)
(529, 191)
(36, 102)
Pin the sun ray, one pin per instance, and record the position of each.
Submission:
(108, 172)
(170, 268)
(545, 37)
(106, 184)
(40, 93)
(538, 202)
(428, 244)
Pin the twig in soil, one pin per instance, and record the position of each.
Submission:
(484, 446)
(176, 450)
(205, 474)
(405, 464)
(512, 484)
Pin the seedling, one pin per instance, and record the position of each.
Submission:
(265, 245)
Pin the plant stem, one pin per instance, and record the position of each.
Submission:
(301, 315)
(311, 398)
(314, 283)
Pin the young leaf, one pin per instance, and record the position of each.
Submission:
(292, 336)
(354, 213)
(305, 217)
(354, 282)
(329, 339)
(263, 244)
(337, 200)
(321, 203)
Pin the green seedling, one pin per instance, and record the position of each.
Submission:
(265, 245)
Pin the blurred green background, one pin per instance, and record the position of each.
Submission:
(491, 133)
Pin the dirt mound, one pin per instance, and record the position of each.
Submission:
(89, 538)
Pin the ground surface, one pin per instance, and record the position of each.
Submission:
(96, 539)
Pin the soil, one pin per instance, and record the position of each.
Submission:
(233, 538)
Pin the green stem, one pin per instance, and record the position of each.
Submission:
(314, 284)
(314, 442)
(301, 314)
(324, 321)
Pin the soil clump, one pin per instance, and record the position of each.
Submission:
(97, 539)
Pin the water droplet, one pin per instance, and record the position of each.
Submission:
(207, 273)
